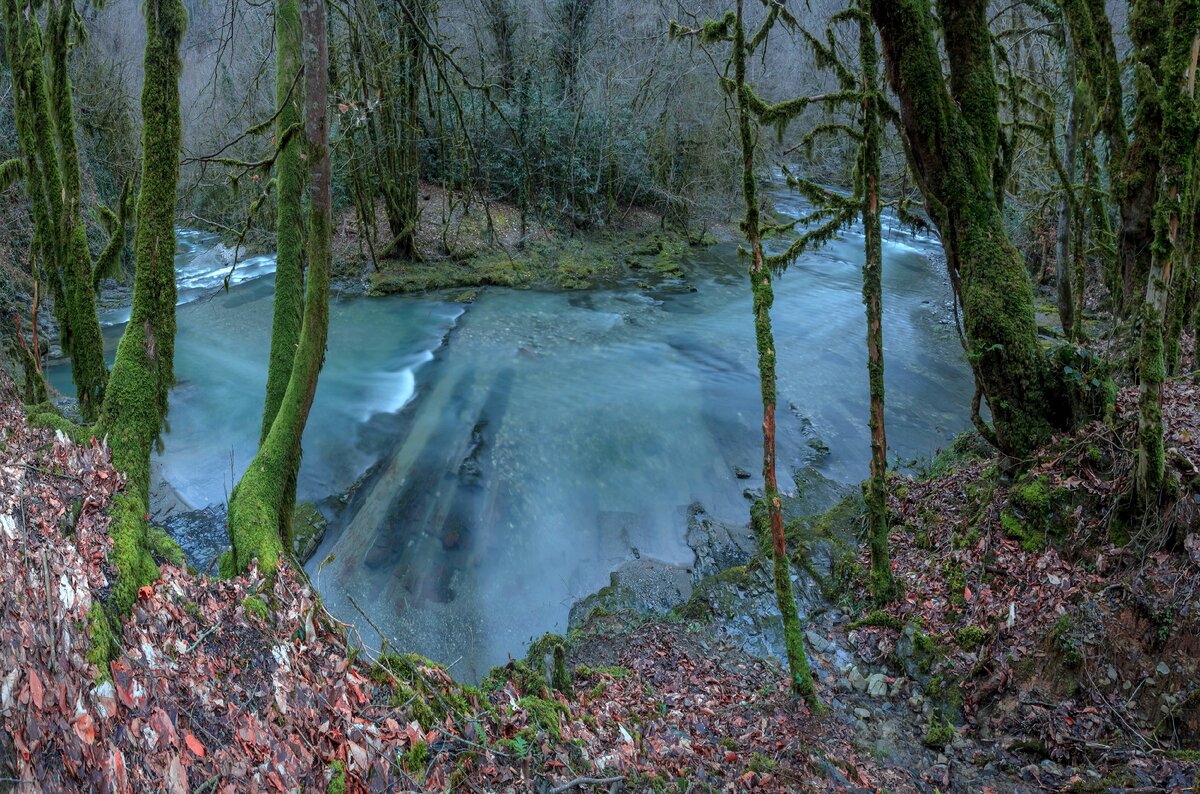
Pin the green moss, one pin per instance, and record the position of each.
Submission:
(415, 758)
(308, 528)
(163, 548)
(761, 763)
(956, 583)
(257, 607)
(528, 681)
(545, 714)
(561, 677)
(288, 303)
(971, 637)
(411, 690)
(103, 644)
(615, 671)
(938, 732)
(880, 619)
(130, 552)
(337, 778)
(1032, 514)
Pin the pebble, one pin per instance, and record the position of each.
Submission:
(1163, 668)
(862, 713)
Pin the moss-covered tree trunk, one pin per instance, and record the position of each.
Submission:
(262, 503)
(44, 113)
(883, 584)
(289, 218)
(760, 285)
(135, 404)
(1178, 158)
(953, 139)
(1067, 211)
(1136, 179)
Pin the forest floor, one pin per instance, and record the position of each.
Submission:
(467, 243)
(1033, 650)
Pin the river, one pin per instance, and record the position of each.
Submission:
(522, 447)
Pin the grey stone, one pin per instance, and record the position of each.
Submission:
(857, 680)
(877, 685)
(816, 641)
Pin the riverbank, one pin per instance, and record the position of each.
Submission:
(466, 242)
(972, 682)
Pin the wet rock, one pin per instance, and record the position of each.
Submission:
(643, 587)
(718, 546)
(200, 533)
(741, 473)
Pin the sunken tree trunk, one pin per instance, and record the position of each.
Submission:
(261, 507)
(953, 141)
(883, 584)
(760, 285)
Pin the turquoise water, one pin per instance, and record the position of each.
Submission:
(527, 446)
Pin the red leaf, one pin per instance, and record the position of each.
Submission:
(194, 744)
(145, 592)
(85, 729)
(35, 688)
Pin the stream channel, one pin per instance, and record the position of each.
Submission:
(485, 465)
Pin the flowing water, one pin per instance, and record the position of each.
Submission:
(524, 448)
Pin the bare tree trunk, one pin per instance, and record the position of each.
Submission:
(760, 285)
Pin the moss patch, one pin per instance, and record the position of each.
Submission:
(545, 714)
(570, 264)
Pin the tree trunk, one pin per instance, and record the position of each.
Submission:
(883, 584)
(43, 108)
(135, 403)
(289, 220)
(1178, 148)
(1067, 207)
(760, 285)
(262, 503)
(953, 142)
(1137, 180)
